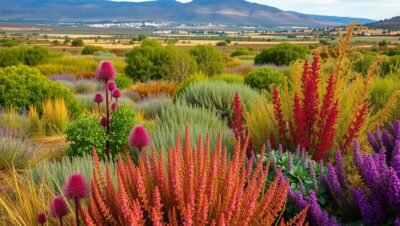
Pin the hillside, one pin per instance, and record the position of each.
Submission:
(393, 24)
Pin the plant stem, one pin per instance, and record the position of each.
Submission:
(61, 221)
(108, 122)
(77, 211)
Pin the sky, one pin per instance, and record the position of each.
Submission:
(372, 9)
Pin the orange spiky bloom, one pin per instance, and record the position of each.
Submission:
(194, 188)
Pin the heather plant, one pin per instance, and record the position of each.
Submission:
(173, 119)
(22, 86)
(193, 188)
(217, 96)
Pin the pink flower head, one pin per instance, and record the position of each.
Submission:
(116, 93)
(111, 86)
(75, 187)
(98, 98)
(58, 207)
(114, 106)
(103, 121)
(139, 138)
(105, 71)
(41, 218)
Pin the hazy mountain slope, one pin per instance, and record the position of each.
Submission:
(393, 23)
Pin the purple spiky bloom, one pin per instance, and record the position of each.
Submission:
(397, 222)
(98, 98)
(334, 184)
(41, 218)
(139, 138)
(58, 207)
(116, 93)
(105, 71)
(111, 86)
(76, 187)
(339, 167)
(302, 188)
(103, 121)
(394, 189)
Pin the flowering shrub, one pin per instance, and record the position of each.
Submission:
(195, 188)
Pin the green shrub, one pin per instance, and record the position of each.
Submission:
(263, 78)
(392, 66)
(382, 90)
(55, 173)
(217, 96)
(173, 119)
(90, 50)
(363, 64)
(152, 106)
(281, 54)
(121, 124)
(182, 64)
(209, 60)
(229, 78)
(15, 150)
(77, 42)
(10, 42)
(22, 86)
(243, 52)
(30, 56)
(123, 81)
(221, 43)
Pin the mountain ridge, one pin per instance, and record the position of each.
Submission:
(230, 12)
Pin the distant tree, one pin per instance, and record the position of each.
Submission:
(182, 64)
(67, 41)
(281, 54)
(141, 37)
(221, 44)
(77, 42)
(90, 50)
(209, 60)
(55, 42)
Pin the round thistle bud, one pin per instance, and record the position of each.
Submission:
(105, 71)
(114, 106)
(41, 218)
(58, 207)
(116, 93)
(98, 98)
(139, 138)
(103, 121)
(75, 188)
(111, 86)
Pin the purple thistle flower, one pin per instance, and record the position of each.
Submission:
(393, 189)
(41, 218)
(340, 170)
(111, 86)
(139, 138)
(58, 207)
(76, 187)
(116, 93)
(98, 98)
(105, 71)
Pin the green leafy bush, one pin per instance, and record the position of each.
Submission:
(30, 56)
(364, 62)
(121, 124)
(123, 81)
(90, 50)
(263, 78)
(209, 60)
(77, 42)
(282, 54)
(173, 119)
(243, 52)
(217, 96)
(182, 64)
(85, 133)
(22, 86)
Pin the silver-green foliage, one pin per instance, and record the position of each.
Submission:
(151, 106)
(15, 150)
(173, 119)
(55, 173)
(217, 96)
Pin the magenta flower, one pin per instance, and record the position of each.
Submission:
(139, 138)
(105, 71)
(41, 218)
(116, 93)
(98, 98)
(58, 207)
(114, 106)
(75, 187)
(103, 121)
(111, 86)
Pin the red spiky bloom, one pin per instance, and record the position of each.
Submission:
(111, 86)
(76, 187)
(276, 100)
(98, 98)
(116, 93)
(41, 218)
(58, 207)
(139, 138)
(105, 71)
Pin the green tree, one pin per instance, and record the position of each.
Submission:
(282, 54)
(182, 64)
(77, 42)
(90, 50)
(209, 60)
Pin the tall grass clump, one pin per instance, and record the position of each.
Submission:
(173, 119)
(14, 119)
(16, 151)
(217, 96)
(386, 90)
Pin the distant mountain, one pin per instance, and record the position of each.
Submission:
(393, 24)
(338, 19)
(234, 12)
